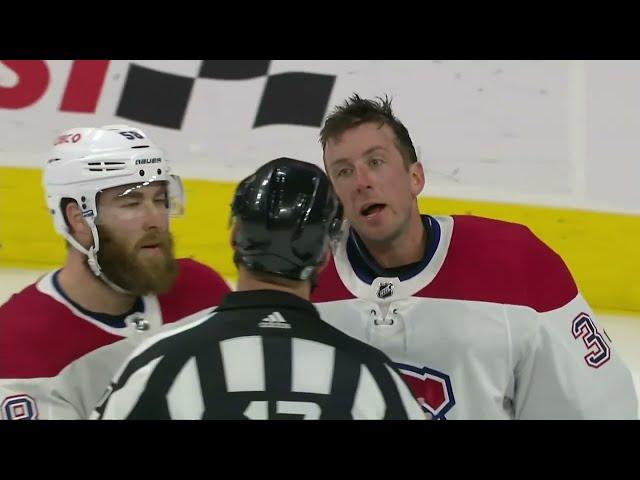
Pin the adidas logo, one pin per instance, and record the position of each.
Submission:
(275, 320)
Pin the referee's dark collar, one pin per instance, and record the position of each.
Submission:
(265, 298)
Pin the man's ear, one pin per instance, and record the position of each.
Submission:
(78, 226)
(417, 178)
(232, 234)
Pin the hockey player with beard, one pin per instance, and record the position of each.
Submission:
(111, 195)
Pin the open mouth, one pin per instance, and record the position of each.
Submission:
(372, 209)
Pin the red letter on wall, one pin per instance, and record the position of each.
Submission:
(84, 86)
(33, 80)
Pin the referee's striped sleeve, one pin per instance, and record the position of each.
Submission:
(166, 331)
(121, 401)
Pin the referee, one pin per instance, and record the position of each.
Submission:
(265, 353)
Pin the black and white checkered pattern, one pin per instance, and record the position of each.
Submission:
(289, 98)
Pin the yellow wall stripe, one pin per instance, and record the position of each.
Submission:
(599, 248)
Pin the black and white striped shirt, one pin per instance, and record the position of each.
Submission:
(261, 355)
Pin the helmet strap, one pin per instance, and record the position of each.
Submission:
(92, 258)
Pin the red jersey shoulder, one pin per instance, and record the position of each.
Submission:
(330, 286)
(502, 262)
(196, 288)
(40, 336)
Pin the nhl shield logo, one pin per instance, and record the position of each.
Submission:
(385, 289)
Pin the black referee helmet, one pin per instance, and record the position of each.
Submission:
(286, 213)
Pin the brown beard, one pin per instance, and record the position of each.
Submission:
(124, 267)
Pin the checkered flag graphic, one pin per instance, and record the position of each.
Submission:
(289, 98)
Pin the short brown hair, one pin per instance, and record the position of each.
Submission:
(356, 110)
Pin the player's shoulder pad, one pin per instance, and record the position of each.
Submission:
(195, 274)
(330, 286)
(35, 333)
(504, 262)
(197, 285)
(28, 304)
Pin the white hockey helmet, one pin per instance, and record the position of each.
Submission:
(86, 161)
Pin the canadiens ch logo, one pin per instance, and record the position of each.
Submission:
(432, 389)
(385, 289)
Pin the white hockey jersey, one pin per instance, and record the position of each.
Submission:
(490, 325)
(56, 359)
